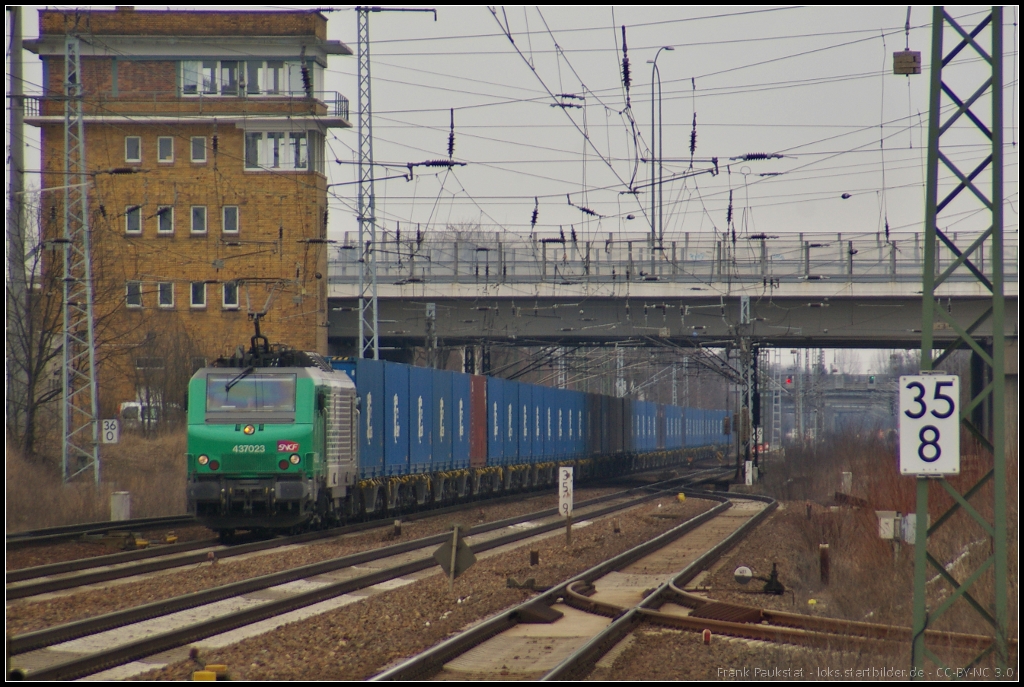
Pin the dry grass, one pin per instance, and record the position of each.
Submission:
(152, 470)
(872, 579)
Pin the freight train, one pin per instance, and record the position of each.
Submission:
(280, 439)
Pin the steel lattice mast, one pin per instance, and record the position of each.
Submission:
(983, 182)
(367, 206)
(80, 449)
(368, 342)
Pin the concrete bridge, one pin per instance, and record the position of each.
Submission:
(821, 290)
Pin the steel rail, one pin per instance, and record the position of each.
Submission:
(434, 659)
(582, 661)
(52, 585)
(49, 535)
(76, 668)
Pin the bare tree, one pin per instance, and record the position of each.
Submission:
(161, 367)
(35, 337)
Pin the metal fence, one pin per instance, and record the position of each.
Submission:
(507, 257)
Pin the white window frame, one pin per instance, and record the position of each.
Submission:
(192, 218)
(159, 141)
(224, 296)
(193, 303)
(224, 219)
(160, 210)
(128, 294)
(278, 151)
(126, 156)
(128, 212)
(192, 149)
(169, 285)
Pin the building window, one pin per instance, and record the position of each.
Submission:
(251, 77)
(132, 149)
(165, 220)
(165, 294)
(133, 219)
(198, 294)
(230, 219)
(133, 294)
(199, 149)
(198, 219)
(165, 149)
(231, 295)
(199, 78)
(276, 150)
(229, 77)
(149, 363)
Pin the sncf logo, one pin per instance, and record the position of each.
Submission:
(287, 446)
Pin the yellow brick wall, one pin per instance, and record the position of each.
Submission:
(279, 212)
(131, 22)
(279, 249)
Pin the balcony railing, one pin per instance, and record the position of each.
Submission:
(171, 103)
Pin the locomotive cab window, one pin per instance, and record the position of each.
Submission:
(271, 396)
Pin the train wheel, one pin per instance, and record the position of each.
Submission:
(226, 536)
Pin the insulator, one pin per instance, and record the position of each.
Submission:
(536, 211)
(693, 135)
(573, 234)
(625, 61)
(728, 213)
(451, 136)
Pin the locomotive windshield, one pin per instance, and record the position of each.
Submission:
(255, 393)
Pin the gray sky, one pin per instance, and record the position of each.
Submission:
(813, 84)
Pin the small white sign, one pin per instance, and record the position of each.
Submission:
(111, 431)
(565, 491)
(930, 425)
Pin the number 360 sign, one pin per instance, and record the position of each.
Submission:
(930, 425)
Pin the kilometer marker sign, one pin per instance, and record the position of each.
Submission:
(929, 422)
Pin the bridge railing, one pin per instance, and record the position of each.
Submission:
(451, 257)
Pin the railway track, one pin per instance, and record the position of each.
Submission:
(530, 640)
(562, 634)
(51, 535)
(70, 651)
(54, 577)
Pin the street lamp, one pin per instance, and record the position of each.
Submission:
(657, 228)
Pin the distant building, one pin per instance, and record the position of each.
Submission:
(205, 134)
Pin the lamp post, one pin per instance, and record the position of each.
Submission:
(657, 225)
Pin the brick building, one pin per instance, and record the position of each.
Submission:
(205, 141)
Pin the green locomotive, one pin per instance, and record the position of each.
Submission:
(270, 440)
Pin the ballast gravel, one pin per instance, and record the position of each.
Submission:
(359, 640)
(45, 554)
(33, 614)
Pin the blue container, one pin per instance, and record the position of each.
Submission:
(346, 365)
(537, 424)
(370, 389)
(512, 422)
(549, 421)
(442, 410)
(460, 420)
(421, 419)
(525, 424)
(396, 419)
(495, 421)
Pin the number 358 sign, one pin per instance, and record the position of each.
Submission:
(930, 425)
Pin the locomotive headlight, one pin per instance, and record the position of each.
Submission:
(294, 458)
(204, 459)
(249, 429)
